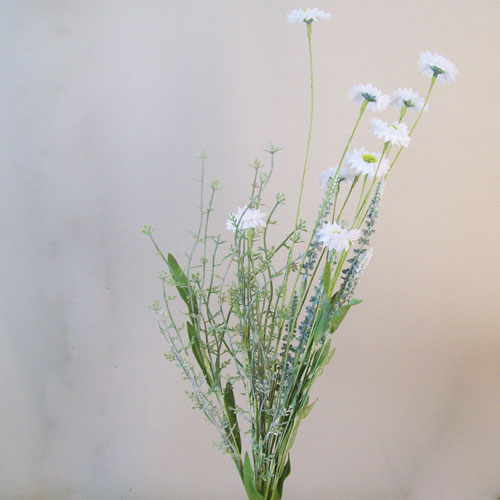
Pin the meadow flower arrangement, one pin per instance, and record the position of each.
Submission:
(254, 327)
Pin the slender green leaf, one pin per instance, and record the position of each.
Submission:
(326, 358)
(187, 295)
(320, 355)
(327, 275)
(195, 347)
(278, 493)
(230, 404)
(301, 415)
(323, 320)
(249, 480)
(339, 315)
(182, 284)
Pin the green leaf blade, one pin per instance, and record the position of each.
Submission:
(323, 321)
(339, 315)
(230, 405)
(249, 480)
(278, 493)
(182, 284)
(195, 347)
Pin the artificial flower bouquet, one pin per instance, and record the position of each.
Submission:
(254, 326)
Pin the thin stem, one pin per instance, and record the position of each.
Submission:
(309, 133)
(433, 81)
(332, 181)
(404, 109)
(325, 201)
(363, 189)
(309, 32)
(354, 182)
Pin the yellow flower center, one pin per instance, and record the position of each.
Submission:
(370, 158)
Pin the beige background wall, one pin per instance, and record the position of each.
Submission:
(104, 105)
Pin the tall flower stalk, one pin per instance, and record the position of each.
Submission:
(254, 327)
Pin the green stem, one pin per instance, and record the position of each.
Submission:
(354, 182)
(304, 170)
(363, 189)
(322, 208)
(332, 181)
(292, 246)
(404, 109)
(433, 81)
(309, 32)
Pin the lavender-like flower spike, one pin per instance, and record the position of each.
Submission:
(372, 215)
(307, 323)
(352, 275)
(289, 337)
(362, 254)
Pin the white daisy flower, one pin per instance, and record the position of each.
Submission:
(436, 65)
(407, 97)
(395, 133)
(245, 218)
(337, 238)
(364, 163)
(345, 173)
(376, 100)
(307, 15)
